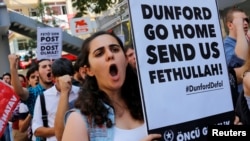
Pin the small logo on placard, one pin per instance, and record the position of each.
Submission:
(168, 135)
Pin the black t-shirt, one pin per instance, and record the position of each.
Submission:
(233, 85)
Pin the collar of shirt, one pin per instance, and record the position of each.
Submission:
(52, 91)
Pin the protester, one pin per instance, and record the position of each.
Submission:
(32, 76)
(25, 117)
(16, 133)
(79, 74)
(109, 104)
(23, 80)
(7, 135)
(236, 43)
(130, 55)
(6, 77)
(62, 71)
(29, 95)
(64, 105)
(243, 103)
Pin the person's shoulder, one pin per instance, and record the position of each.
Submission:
(34, 89)
(75, 82)
(37, 90)
(51, 90)
(75, 88)
(72, 111)
(229, 39)
(38, 86)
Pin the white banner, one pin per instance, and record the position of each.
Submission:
(181, 64)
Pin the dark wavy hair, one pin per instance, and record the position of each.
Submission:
(91, 99)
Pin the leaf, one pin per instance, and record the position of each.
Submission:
(97, 6)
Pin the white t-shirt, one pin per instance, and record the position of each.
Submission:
(135, 134)
(23, 108)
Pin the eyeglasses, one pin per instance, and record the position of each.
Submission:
(246, 19)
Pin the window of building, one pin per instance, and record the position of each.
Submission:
(22, 44)
(33, 12)
(56, 8)
(18, 10)
(64, 10)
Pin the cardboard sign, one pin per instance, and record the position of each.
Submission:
(49, 43)
(8, 103)
(181, 67)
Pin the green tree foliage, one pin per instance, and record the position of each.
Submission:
(29, 46)
(41, 7)
(95, 6)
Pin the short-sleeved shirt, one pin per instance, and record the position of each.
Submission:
(233, 61)
(23, 113)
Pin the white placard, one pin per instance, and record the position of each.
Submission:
(49, 43)
(181, 65)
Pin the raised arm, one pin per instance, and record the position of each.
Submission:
(241, 48)
(25, 123)
(15, 82)
(63, 105)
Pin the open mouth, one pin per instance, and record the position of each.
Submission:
(49, 74)
(113, 70)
